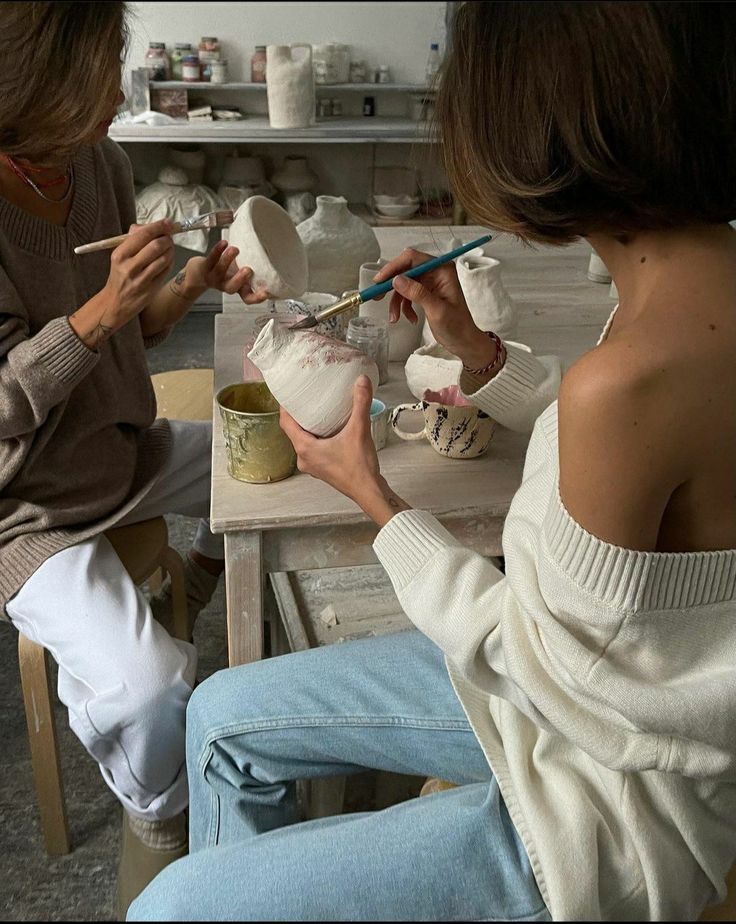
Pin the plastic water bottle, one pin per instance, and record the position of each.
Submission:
(433, 63)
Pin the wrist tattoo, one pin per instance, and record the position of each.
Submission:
(99, 334)
(176, 283)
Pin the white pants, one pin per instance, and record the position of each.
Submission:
(124, 680)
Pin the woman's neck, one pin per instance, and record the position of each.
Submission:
(647, 264)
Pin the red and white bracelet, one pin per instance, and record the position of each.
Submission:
(499, 359)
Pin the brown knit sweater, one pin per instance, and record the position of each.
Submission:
(78, 442)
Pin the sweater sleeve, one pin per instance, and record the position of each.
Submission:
(518, 394)
(36, 372)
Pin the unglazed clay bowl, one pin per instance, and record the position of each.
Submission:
(268, 242)
(431, 367)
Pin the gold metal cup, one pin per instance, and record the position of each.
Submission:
(258, 450)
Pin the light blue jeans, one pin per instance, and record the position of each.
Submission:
(384, 703)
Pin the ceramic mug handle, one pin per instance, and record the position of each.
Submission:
(397, 412)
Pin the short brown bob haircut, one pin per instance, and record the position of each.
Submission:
(561, 119)
(59, 74)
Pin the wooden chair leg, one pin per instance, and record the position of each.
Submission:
(35, 680)
(172, 563)
(155, 581)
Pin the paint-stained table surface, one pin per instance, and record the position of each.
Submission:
(301, 523)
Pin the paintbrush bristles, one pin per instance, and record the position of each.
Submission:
(211, 220)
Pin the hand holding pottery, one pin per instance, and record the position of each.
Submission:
(310, 375)
(218, 270)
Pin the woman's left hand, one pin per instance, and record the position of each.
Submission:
(218, 270)
(348, 461)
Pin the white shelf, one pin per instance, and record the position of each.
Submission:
(357, 87)
(364, 129)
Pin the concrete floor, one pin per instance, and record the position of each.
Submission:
(80, 886)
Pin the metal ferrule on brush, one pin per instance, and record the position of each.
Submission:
(344, 304)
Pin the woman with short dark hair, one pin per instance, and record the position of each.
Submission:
(584, 701)
(80, 450)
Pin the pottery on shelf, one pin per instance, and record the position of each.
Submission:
(310, 375)
(242, 171)
(337, 243)
(268, 243)
(294, 175)
(290, 86)
(432, 367)
(173, 176)
(190, 158)
(403, 336)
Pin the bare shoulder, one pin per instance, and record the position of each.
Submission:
(620, 449)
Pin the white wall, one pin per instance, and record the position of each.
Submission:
(393, 33)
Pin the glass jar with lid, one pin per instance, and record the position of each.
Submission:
(209, 51)
(157, 61)
(181, 50)
(371, 337)
(190, 68)
(219, 71)
(258, 65)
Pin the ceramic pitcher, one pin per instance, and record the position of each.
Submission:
(310, 375)
(290, 86)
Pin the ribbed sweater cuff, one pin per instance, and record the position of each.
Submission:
(60, 350)
(522, 374)
(407, 542)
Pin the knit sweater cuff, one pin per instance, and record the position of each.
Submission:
(519, 392)
(57, 347)
(155, 339)
(407, 542)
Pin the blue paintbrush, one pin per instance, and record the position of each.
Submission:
(381, 288)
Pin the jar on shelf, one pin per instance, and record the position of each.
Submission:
(336, 107)
(384, 74)
(181, 50)
(357, 72)
(258, 65)
(369, 106)
(219, 71)
(209, 51)
(157, 61)
(190, 68)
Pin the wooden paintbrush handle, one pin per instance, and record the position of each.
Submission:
(111, 242)
(108, 244)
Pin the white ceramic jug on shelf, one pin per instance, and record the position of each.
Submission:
(311, 376)
(290, 86)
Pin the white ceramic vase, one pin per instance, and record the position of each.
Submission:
(267, 240)
(403, 336)
(489, 302)
(290, 86)
(310, 375)
(337, 243)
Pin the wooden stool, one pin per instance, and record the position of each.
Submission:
(184, 394)
(143, 548)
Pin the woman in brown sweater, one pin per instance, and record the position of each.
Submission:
(80, 449)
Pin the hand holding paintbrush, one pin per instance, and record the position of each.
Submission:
(209, 220)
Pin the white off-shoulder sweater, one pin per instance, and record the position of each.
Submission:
(600, 682)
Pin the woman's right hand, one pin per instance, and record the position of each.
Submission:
(138, 268)
(441, 296)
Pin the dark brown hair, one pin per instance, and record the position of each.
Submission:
(59, 74)
(559, 119)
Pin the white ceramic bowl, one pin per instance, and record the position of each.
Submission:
(398, 211)
(268, 242)
(431, 367)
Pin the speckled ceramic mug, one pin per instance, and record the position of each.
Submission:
(455, 431)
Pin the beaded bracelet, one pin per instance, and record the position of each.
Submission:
(499, 359)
